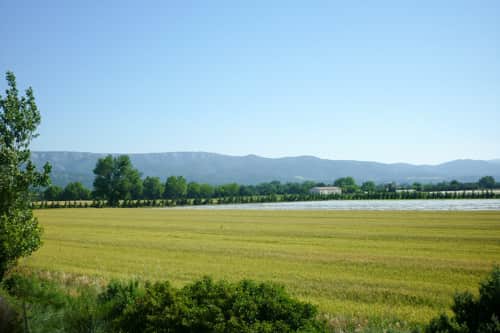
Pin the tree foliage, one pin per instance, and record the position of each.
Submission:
(175, 187)
(116, 179)
(473, 314)
(179, 192)
(204, 306)
(206, 190)
(75, 191)
(19, 230)
(487, 182)
(152, 188)
(52, 193)
(369, 187)
(207, 306)
(348, 184)
(193, 190)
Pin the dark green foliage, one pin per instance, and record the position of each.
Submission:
(348, 184)
(152, 188)
(10, 320)
(208, 306)
(443, 324)
(487, 182)
(116, 179)
(175, 187)
(157, 310)
(33, 290)
(45, 307)
(75, 191)
(178, 192)
(19, 230)
(203, 306)
(368, 187)
(474, 315)
(206, 191)
(116, 301)
(193, 190)
(40, 303)
(52, 193)
(82, 314)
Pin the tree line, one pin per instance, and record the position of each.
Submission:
(117, 182)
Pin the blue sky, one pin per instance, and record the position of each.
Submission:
(390, 81)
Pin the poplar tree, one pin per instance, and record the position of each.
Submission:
(19, 230)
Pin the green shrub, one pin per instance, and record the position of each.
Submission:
(82, 313)
(202, 306)
(208, 306)
(475, 315)
(40, 303)
(10, 320)
(116, 301)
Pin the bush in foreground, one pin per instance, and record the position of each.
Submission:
(203, 306)
(207, 306)
(474, 315)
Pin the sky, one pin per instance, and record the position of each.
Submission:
(388, 81)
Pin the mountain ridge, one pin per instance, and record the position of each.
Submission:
(215, 168)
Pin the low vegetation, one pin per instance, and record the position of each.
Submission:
(202, 306)
(38, 305)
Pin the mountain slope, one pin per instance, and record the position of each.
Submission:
(251, 169)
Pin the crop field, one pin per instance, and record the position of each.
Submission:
(382, 266)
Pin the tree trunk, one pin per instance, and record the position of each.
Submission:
(25, 316)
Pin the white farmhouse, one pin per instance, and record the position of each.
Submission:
(326, 190)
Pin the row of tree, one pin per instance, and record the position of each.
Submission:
(348, 185)
(117, 180)
(405, 195)
(485, 183)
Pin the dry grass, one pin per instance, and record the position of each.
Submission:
(384, 266)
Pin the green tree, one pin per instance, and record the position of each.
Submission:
(368, 186)
(267, 188)
(229, 190)
(454, 185)
(348, 184)
(52, 193)
(206, 191)
(487, 182)
(390, 187)
(116, 179)
(175, 187)
(193, 190)
(417, 186)
(75, 191)
(473, 313)
(307, 186)
(345, 181)
(247, 190)
(19, 229)
(152, 188)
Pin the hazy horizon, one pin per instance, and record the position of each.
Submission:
(390, 82)
(257, 155)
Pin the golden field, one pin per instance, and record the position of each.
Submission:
(382, 266)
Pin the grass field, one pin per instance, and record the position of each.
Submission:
(378, 265)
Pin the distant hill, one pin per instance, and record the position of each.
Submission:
(251, 169)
